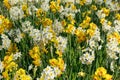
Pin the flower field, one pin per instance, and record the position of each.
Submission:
(59, 40)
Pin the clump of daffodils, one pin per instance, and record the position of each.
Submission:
(101, 73)
(49, 73)
(104, 12)
(54, 6)
(112, 45)
(5, 42)
(35, 54)
(19, 8)
(9, 66)
(5, 24)
(58, 63)
(21, 75)
(88, 56)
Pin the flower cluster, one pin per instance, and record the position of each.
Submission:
(35, 54)
(101, 73)
(49, 73)
(5, 24)
(21, 75)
